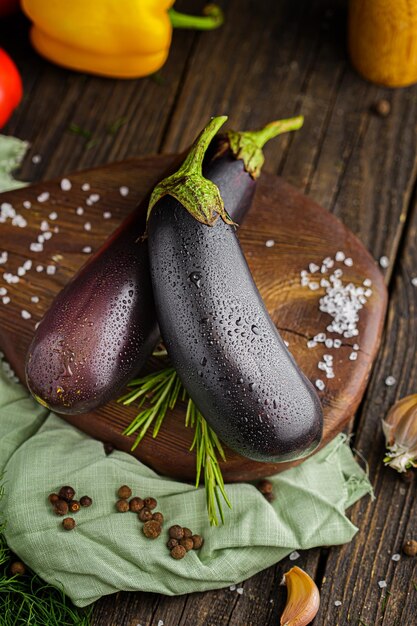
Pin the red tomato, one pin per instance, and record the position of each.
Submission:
(8, 6)
(11, 89)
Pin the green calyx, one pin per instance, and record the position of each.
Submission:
(197, 194)
(247, 146)
(212, 18)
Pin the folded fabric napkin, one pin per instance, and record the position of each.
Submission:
(107, 550)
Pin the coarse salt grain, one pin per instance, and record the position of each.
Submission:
(160, 623)
(25, 314)
(27, 204)
(313, 268)
(313, 286)
(320, 384)
(340, 256)
(94, 197)
(269, 243)
(107, 215)
(47, 235)
(294, 555)
(390, 381)
(87, 226)
(36, 247)
(27, 264)
(21, 271)
(384, 262)
(80, 210)
(124, 191)
(50, 269)
(5, 299)
(39, 268)
(353, 356)
(66, 184)
(43, 197)
(41, 239)
(44, 226)
(232, 587)
(337, 343)
(239, 590)
(85, 187)
(36, 159)
(356, 346)
(382, 584)
(34, 299)
(367, 282)
(396, 557)
(53, 216)
(311, 343)
(3, 291)
(337, 603)
(348, 262)
(87, 249)
(3, 257)
(414, 281)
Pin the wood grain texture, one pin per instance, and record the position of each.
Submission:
(303, 232)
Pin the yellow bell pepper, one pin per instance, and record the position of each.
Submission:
(117, 38)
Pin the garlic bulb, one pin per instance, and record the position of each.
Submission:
(303, 598)
(400, 430)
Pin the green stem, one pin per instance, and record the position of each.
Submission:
(247, 145)
(212, 18)
(200, 196)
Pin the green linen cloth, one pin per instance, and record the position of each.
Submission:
(107, 551)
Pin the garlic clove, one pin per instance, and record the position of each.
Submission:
(400, 430)
(303, 598)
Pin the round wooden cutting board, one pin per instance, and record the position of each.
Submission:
(298, 232)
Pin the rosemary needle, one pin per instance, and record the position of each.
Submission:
(160, 391)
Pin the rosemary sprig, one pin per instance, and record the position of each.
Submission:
(160, 391)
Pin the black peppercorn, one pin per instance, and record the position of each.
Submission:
(136, 505)
(151, 503)
(108, 448)
(158, 517)
(171, 543)
(122, 506)
(66, 493)
(60, 507)
(68, 523)
(187, 532)
(73, 506)
(151, 529)
(197, 541)
(145, 514)
(17, 568)
(124, 492)
(86, 501)
(178, 552)
(382, 107)
(176, 532)
(187, 543)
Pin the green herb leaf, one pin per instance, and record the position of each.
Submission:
(116, 125)
(77, 130)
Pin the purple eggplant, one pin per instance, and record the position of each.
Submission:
(217, 331)
(102, 327)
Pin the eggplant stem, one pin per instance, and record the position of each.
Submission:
(212, 18)
(198, 195)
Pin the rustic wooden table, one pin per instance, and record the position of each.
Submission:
(271, 59)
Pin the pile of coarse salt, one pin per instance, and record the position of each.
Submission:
(342, 301)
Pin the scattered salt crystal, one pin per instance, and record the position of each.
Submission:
(330, 374)
(41, 239)
(56, 229)
(36, 247)
(384, 262)
(39, 268)
(337, 343)
(107, 215)
(85, 187)
(294, 556)
(324, 283)
(329, 343)
(80, 210)
(25, 314)
(37, 324)
(21, 271)
(36, 159)
(286, 343)
(44, 226)
(53, 216)
(396, 557)
(50, 269)
(65, 184)
(124, 191)
(340, 256)
(269, 243)
(328, 358)
(320, 384)
(35, 299)
(43, 197)
(232, 587)
(382, 584)
(337, 603)
(5, 299)
(348, 262)
(3, 291)
(313, 268)
(368, 293)
(321, 337)
(47, 235)
(321, 365)
(356, 346)
(94, 197)
(87, 226)
(314, 286)
(414, 281)
(239, 590)
(27, 264)
(305, 281)
(3, 257)
(311, 343)
(87, 249)
(390, 381)
(27, 204)
(353, 356)
(160, 623)
(367, 282)
(89, 202)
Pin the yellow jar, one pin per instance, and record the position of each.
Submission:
(382, 39)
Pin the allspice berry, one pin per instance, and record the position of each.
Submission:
(136, 504)
(60, 507)
(382, 107)
(176, 532)
(145, 514)
(151, 529)
(178, 552)
(68, 523)
(158, 517)
(171, 543)
(122, 506)
(86, 501)
(410, 547)
(187, 543)
(17, 568)
(187, 532)
(74, 506)
(197, 541)
(66, 493)
(53, 497)
(265, 486)
(151, 503)
(124, 492)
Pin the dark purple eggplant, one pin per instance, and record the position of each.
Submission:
(217, 331)
(102, 327)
